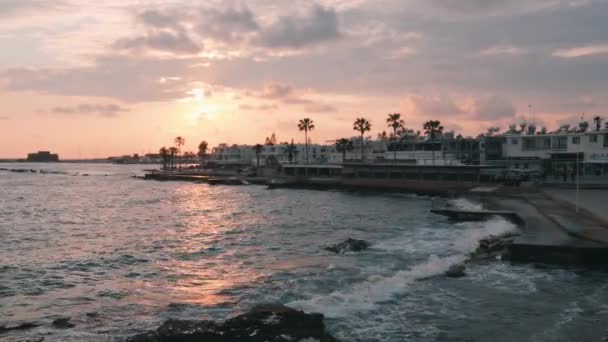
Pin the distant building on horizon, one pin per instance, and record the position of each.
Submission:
(42, 156)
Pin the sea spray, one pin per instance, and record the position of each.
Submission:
(465, 204)
(366, 295)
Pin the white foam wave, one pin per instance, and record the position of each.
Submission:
(465, 204)
(364, 296)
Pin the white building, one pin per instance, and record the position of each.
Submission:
(554, 154)
(225, 155)
(236, 156)
(413, 149)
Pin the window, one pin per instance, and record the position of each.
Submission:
(560, 143)
(529, 144)
(605, 140)
(526, 165)
(593, 138)
(516, 165)
(576, 140)
(514, 141)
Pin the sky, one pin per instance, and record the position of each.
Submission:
(92, 79)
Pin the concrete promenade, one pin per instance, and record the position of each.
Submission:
(591, 201)
(553, 232)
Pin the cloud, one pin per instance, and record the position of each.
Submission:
(13, 7)
(168, 41)
(2, 118)
(227, 25)
(288, 95)
(179, 30)
(496, 50)
(466, 9)
(127, 78)
(318, 25)
(440, 105)
(320, 108)
(90, 109)
(156, 19)
(276, 91)
(493, 107)
(583, 51)
(259, 107)
(164, 32)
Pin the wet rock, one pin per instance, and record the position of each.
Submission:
(93, 314)
(348, 245)
(63, 323)
(493, 247)
(33, 339)
(456, 271)
(267, 322)
(21, 326)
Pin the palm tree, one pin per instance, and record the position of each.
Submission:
(344, 145)
(306, 125)
(179, 142)
(361, 125)
(164, 155)
(258, 148)
(598, 122)
(394, 121)
(172, 152)
(202, 150)
(290, 150)
(431, 129)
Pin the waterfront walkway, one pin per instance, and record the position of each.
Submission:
(552, 220)
(553, 232)
(590, 201)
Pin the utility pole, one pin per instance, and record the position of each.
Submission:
(577, 182)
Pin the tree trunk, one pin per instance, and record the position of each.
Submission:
(362, 146)
(395, 146)
(306, 144)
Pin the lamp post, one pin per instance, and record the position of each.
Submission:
(577, 181)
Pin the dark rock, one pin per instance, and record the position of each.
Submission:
(34, 339)
(456, 271)
(267, 322)
(93, 314)
(63, 323)
(348, 245)
(22, 326)
(493, 247)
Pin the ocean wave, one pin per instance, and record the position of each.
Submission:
(366, 295)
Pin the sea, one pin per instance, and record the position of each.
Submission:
(119, 255)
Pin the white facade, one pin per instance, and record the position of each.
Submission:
(227, 155)
(554, 155)
(592, 145)
(224, 154)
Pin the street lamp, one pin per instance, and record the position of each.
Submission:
(577, 181)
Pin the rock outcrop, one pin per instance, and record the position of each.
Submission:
(63, 323)
(267, 322)
(493, 247)
(456, 271)
(22, 326)
(348, 245)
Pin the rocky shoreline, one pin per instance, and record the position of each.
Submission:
(265, 322)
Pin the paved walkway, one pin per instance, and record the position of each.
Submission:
(563, 214)
(553, 222)
(591, 201)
